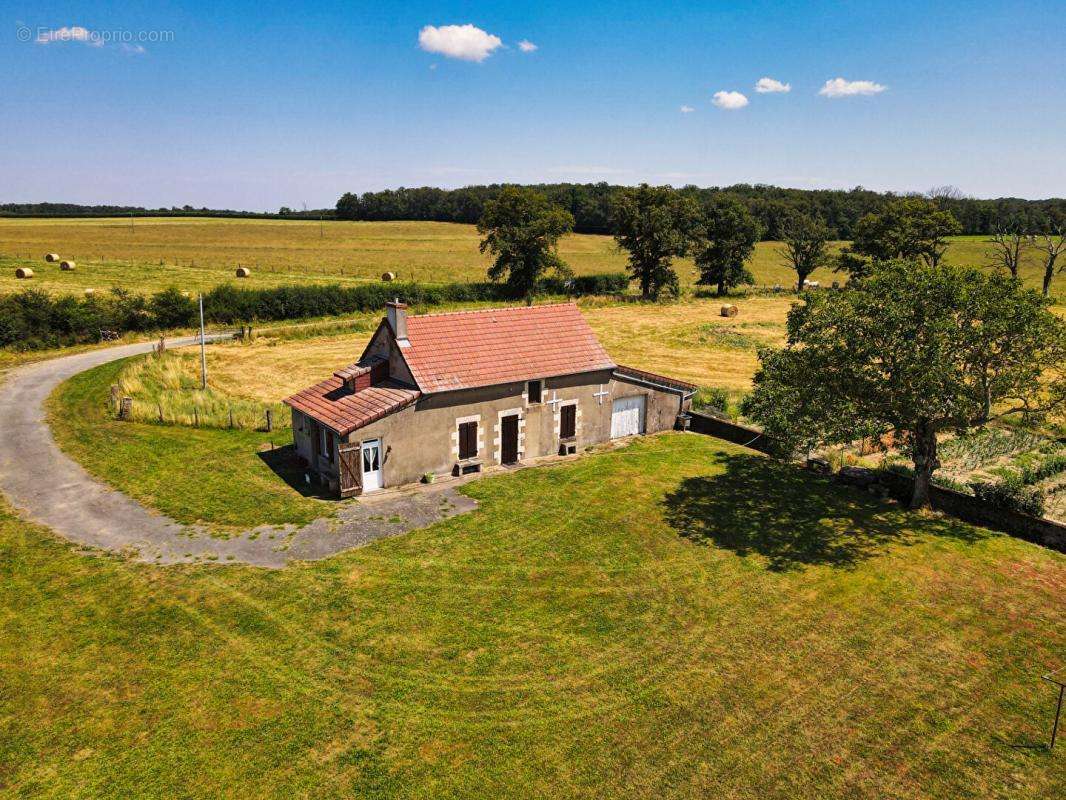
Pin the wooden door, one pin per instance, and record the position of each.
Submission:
(351, 472)
(372, 477)
(568, 422)
(627, 416)
(509, 439)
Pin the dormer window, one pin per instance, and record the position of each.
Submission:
(533, 391)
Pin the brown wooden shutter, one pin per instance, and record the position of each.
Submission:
(568, 423)
(468, 440)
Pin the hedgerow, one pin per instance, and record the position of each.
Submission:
(34, 319)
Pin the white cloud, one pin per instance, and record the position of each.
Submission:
(526, 46)
(838, 87)
(687, 109)
(133, 49)
(730, 101)
(69, 33)
(466, 42)
(770, 85)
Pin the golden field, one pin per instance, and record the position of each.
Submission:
(198, 253)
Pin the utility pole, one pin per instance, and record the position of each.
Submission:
(203, 350)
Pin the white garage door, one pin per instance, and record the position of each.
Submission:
(627, 416)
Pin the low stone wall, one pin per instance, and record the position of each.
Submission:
(720, 428)
(1044, 532)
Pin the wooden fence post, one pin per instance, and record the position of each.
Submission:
(125, 408)
(114, 397)
(270, 419)
(231, 416)
(196, 417)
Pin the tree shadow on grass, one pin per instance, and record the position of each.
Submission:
(793, 518)
(284, 462)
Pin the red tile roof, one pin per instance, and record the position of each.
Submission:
(342, 410)
(465, 349)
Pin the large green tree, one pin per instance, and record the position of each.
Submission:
(910, 229)
(522, 230)
(805, 242)
(914, 349)
(728, 233)
(655, 225)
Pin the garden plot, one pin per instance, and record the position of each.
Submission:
(1029, 462)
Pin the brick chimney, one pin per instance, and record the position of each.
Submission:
(396, 313)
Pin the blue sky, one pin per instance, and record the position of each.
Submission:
(258, 105)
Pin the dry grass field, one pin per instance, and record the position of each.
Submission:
(198, 253)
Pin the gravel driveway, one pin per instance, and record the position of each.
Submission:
(47, 486)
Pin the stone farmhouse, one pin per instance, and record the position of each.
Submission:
(454, 393)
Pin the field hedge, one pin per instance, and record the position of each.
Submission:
(34, 319)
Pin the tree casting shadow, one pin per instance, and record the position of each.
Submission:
(791, 517)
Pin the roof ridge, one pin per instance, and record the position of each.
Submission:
(490, 310)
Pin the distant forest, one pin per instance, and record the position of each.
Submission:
(75, 210)
(590, 203)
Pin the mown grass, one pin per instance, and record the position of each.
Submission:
(194, 475)
(195, 254)
(732, 630)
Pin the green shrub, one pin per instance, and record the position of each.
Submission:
(1011, 494)
(713, 397)
(1048, 468)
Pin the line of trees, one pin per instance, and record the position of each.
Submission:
(657, 224)
(35, 319)
(76, 210)
(771, 206)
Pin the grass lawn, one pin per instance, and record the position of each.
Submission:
(732, 630)
(198, 253)
(200, 475)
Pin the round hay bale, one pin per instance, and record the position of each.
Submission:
(243, 272)
(24, 273)
(730, 311)
(51, 258)
(90, 292)
(388, 276)
(67, 266)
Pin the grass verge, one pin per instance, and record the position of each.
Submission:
(213, 477)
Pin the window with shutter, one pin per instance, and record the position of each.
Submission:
(467, 440)
(568, 422)
(533, 392)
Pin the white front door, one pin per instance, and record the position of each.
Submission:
(627, 416)
(371, 465)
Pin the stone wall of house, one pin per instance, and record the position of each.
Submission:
(304, 429)
(424, 438)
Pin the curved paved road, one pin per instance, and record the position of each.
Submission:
(50, 488)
